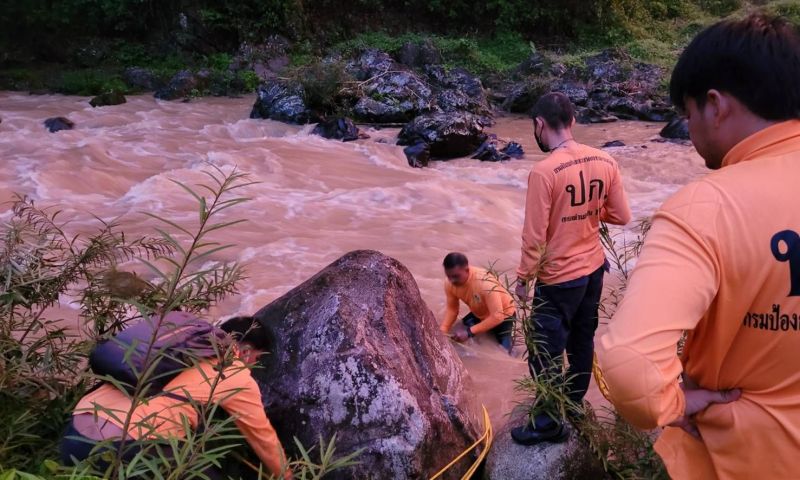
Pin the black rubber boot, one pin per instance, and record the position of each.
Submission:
(527, 435)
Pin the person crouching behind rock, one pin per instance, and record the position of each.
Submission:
(218, 374)
(491, 306)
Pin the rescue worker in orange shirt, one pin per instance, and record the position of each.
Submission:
(100, 414)
(722, 261)
(569, 193)
(491, 306)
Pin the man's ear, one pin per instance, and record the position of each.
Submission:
(718, 105)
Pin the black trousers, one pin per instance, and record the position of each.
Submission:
(565, 317)
(501, 332)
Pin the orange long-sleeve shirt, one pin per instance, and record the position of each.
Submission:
(235, 391)
(722, 261)
(484, 296)
(569, 194)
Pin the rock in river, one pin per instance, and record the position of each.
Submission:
(676, 129)
(108, 98)
(279, 100)
(449, 135)
(357, 356)
(338, 129)
(56, 124)
(418, 155)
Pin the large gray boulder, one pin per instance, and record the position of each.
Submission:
(282, 101)
(394, 96)
(450, 135)
(358, 356)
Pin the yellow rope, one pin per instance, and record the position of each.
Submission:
(598, 377)
(485, 439)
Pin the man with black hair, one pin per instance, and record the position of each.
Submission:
(569, 193)
(722, 261)
(100, 415)
(491, 306)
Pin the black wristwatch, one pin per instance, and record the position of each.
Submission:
(469, 332)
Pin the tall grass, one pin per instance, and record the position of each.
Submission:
(623, 451)
(43, 369)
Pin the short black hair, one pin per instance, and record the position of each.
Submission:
(556, 109)
(455, 259)
(756, 60)
(249, 329)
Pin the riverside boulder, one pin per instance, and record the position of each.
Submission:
(355, 357)
(458, 90)
(282, 101)
(107, 99)
(449, 135)
(393, 96)
(139, 78)
(338, 129)
(676, 129)
(182, 85)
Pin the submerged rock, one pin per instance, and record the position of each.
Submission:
(489, 151)
(449, 135)
(586, 115)
(107, 99)
(356, 357)
(677, 129)
(338, 129)
(418, 155)
(278, 100)
(613, 143)
(56, 124)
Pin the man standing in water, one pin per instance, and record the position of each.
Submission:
(569, 194)
(722, 261)
(491, 306)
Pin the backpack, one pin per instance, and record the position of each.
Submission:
(181, 338)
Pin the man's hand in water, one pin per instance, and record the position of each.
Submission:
(697, 400)
(461, 335)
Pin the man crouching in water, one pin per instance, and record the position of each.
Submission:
(491, 306)
(97, 422)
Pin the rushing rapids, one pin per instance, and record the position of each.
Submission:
(316, 199)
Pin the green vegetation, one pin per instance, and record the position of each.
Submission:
(615, 448)
(43, 363)
(80, 47)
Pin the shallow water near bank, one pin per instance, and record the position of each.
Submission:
(315, 200)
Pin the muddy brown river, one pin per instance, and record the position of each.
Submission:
(316, 200)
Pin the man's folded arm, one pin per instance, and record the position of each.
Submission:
(674, 283)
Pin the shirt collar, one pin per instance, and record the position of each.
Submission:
(768, 141)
